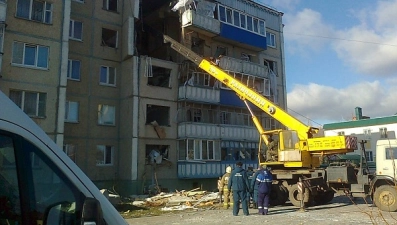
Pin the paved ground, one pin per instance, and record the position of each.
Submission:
(340, 211)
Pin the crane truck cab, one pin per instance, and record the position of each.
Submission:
(39, 183)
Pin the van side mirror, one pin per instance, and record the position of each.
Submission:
(65, 211)
(92, 212)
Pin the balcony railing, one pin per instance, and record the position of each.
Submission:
(200, 94)
(242, 66)
(200, 23)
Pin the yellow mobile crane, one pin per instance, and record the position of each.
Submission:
(299, 152)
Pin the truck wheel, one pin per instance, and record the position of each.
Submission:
(386, 198)
(294, 196)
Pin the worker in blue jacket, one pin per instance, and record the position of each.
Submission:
(254, 188)
(239, 184)
(264, 183)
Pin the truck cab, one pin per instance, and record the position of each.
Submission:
(39, 183)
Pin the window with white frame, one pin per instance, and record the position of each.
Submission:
(70, 150)
(109, 38)
(110, 5)
(226, 118)
(76, 30)
(72, 111)
(32, 103)
(106, 115)
(74, 69)
(108, 76)
(36, 10)
(201, 79)
(196, 149)
(270, 39)
(241, 20)
(104, 155)
(31, 55)
(367, 134)
(383, 132)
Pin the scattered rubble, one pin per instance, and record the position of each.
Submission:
(179, 200)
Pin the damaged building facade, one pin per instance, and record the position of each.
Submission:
(130, 111)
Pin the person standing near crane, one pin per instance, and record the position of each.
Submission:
(223, 189)
(238, 183)
(264, 184)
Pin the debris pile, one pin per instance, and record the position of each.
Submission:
(180, 200)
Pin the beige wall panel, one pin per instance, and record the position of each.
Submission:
(84, 9)
(45, 30)
(22, 73)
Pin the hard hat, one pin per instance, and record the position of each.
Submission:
(228, 169)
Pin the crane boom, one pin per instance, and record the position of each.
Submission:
(304, 131)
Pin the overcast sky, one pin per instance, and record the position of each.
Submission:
(340, 55)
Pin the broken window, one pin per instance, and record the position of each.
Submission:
(197, 45)
(70, 150)
(160, 77)
(104, 155)
(106, 115)
(109, 38)
(156, 153)
(159, 114)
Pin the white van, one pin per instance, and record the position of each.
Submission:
(39, 184)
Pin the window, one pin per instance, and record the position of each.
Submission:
(262, 27)
(391, 153)
(160, 77)
(226, 118)
(76, 30)
(236, 18)
(70, 150)
(229, 16)
(220, 50)
(81, 1)
(195, 149)
(158, 114)
(341, 133)
(222, 13)
(106, 115)
(110, 5)
(242, 21)
(383, 132)
(109, 38)
(108, 76)
(367, 134)
(239, 151)
(369, 155)
(72, 111)
(104, 155)
(270, 39)
(74, 69)
(30, 55)
(1, 38)
(201, 79)
(249, 23)
(256, 25)
(27, 175)
(156, 154)
(32, 103)
(246, 57)
(40, 11)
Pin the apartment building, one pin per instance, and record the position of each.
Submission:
(130, 111)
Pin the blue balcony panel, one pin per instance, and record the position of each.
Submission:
(230, 98)
(209, 169)
(242, 37)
